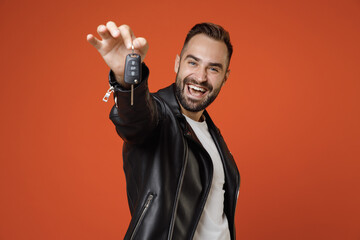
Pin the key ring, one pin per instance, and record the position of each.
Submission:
(132, 48)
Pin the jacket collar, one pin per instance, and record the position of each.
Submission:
(168, 95)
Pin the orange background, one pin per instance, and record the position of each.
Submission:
(289, 113)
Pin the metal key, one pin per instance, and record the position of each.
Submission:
(132, 73)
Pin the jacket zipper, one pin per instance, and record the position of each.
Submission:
(146, 206)
(108, 93)
(172, 223)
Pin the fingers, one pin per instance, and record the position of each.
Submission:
(103, 32)
(93, 41)
(113, 37)
(127, 35)
(113, 29)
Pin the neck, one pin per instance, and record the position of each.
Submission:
(196, 116)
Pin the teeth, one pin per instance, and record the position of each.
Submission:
(197, 88)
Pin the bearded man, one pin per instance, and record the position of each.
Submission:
(182, 181)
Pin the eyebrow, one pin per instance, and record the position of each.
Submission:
(210, 64)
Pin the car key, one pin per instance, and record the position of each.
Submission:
(132, 73)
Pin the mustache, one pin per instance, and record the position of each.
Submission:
(190, 80)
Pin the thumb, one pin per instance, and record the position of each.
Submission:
(141, 45)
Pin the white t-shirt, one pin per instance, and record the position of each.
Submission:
(213, 223)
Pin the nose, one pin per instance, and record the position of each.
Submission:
(201, 75)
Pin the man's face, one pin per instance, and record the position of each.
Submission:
(200, 72)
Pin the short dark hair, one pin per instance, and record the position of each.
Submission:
(213, 31)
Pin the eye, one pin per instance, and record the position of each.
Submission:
(214, 69)
(192, 63)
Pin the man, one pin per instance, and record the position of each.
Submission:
(182, 182)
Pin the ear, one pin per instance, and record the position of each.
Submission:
(226, 76)
(177, 63)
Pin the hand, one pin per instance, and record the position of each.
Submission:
(115, 45)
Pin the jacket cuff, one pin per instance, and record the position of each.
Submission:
(118, 87)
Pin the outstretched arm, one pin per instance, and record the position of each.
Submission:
(133, 122)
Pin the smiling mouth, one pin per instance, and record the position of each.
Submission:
(196, 91)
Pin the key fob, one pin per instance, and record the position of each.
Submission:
(132, 73)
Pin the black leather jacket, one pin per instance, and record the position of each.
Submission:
(168, 172)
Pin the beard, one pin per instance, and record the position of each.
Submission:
(190, 104)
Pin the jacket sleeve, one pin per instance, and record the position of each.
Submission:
(134, 123)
